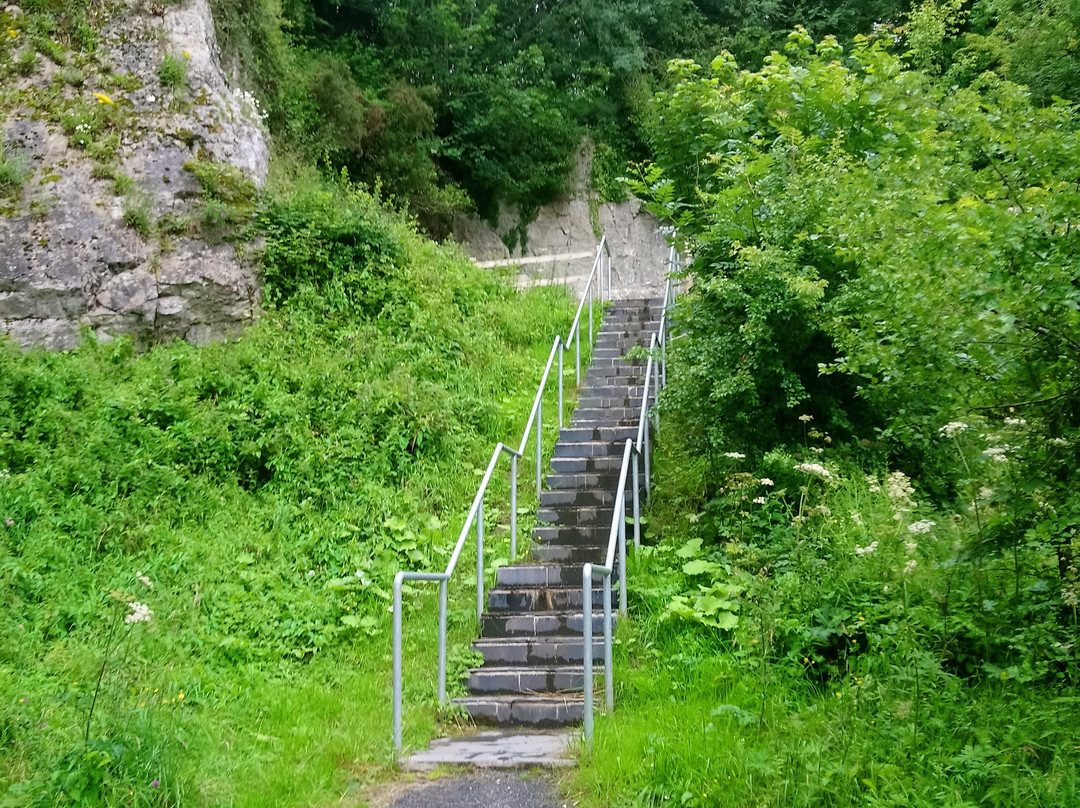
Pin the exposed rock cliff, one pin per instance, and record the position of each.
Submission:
(112, 228)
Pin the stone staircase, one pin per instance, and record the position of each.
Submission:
(531, 635)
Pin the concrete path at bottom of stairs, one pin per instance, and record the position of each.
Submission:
(497, 749)
(488, 789)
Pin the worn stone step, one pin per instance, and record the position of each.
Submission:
(619, 361)
(634, 374)
(576, 465)
(571, 515)
(570, 553)
(602, 433)
(537, 650)
(524, 711)
(565, 534)
(539, 599)
(588, 448)
(607, 402)
(524, 575)
(597, 480)
(603, 416)
(611, 391)
(525, 680)
(578, 498)
(535, 624)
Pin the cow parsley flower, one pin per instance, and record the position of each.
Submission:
(140, 613)
(910, 566)
(867, 550)
(953, 428)
(735, 455)
(766, 481)
(759, 500)
(144, 580)
(813, 468)
(806, 418)
(997, 454)
(922, 526)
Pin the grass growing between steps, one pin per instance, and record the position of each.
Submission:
(258, 496)
(797, 644)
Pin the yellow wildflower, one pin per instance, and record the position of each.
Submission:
(104, 99)
(181, 697)
(187, 54)
(11, 32)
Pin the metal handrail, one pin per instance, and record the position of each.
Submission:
(639, 451)
(476, 512)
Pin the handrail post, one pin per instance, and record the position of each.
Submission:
(577, 349)
(561, 349)
(442, 641)
(586, 630)
(480, 561)
(637, 501)
(622, 552)
(513, 506)
(397, 660)
(539, 444)
(609, 679)
(648, 470)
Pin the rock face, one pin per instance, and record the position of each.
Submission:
(565, 232)
(68, 260)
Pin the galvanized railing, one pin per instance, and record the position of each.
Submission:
(638, 453)
(597, 289)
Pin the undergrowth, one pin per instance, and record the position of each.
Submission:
(197, 544)
(815, 635)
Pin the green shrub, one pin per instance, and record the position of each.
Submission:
(173, 72)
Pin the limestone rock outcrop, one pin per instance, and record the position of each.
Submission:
(68, 258)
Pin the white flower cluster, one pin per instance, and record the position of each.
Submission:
(953, 428)
(1015, 422)
(806, 418)
(813, 468)
(922, 526)
(910, 566)
(867, 550)
(759, 500)
(735, 455)
(766, 481)
(899, 489)
(998, 453)
(144, 580)
(140, 613)
(911, 547)
(250, 106)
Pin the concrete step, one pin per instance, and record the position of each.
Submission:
(589, 448)
(537, 650)
(562, 534)
(578, 498)
(524, 711)
(606, 362)
(602, 433)
(621, 371)
(536, 624)
(607, 402)
(567, 553)
(538, 575)
(605, 416)
(576, 465)
(605, 481)
(571, 515)
(539, 599)
(526, 680)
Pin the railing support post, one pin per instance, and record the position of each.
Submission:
(561, 350)
(397, 661)
(586, 630)
(513, 506)
(480, 562)
(637, 501)
(648, 469)
(442, 642)
(577, 352)
(539, 444)
(609, 679)
(622, 553)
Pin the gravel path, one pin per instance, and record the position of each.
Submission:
(484, 790)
